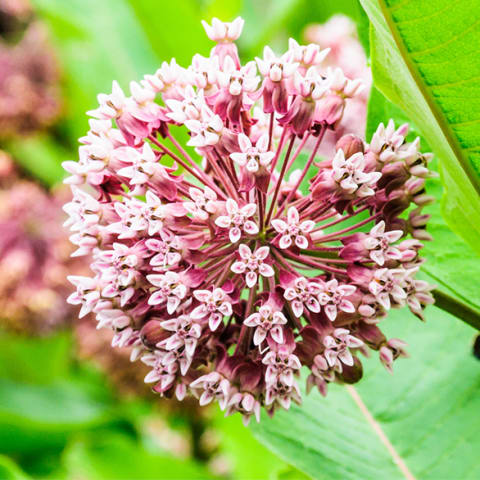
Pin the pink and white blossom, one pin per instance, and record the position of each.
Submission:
(238, 220)
(214, 265)
(214, 306)
(252, 264)
(293, 230)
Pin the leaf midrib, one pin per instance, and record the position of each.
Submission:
(436, 112)
(377, 429)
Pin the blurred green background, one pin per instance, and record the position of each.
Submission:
(60, 415)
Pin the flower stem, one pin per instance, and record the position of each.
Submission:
(304, 172)
(279, 180)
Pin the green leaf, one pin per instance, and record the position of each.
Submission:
(420, 422)
(424, 59)
(40, 156)
(166, 28)
(9, 470)
(43, 399)
(34, 360)
(97, 42)
(37, 417)
(119, 457)
(248, 457)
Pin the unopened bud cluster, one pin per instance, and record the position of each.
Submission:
(216, 260)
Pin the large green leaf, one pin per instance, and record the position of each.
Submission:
(421, 422)
(248, 457)
(424, 58)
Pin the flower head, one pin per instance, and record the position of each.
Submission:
(247, 272)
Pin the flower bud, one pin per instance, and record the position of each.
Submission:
(350, 144)
(152, 333)
(351, 374)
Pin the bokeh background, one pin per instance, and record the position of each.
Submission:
(70, 406)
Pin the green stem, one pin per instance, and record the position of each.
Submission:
(457, 308)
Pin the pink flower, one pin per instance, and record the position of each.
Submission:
(186, 335)
(266, 321)
(332, 297)
(350, 174)
(376, 246)
(171, 290)
(337, 348)
(276, 71)
(389, 352)
(253, 264)
(214, 306)
(386, 284)
(222, 31)
(203, 204)
(254, 161)
(303, 294)
(237, 220)
(212, 386)
(293, 229)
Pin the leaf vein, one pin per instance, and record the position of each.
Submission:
(402, 466)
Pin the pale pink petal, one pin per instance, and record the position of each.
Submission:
(262, 253)
(231, 206)
(297, 308)
(250, 227)
(346, 357)
(266, 270)
(277, 334)
(251, 279)
(377, 256)
(238, 267)
(234, 234)
(301, 242)
(293, 216)
(259, 336)
(244, 251)
(307, 226)
(249, 209)
(285, 242)
(223, 221)
(279, 225)
(214, 321)
(347, 306)
(331, 312)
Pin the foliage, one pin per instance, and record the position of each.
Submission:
(426, 410)
(423, 60)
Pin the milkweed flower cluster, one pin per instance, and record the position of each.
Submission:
(34, 256)
(29, 73)
(224, 266)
